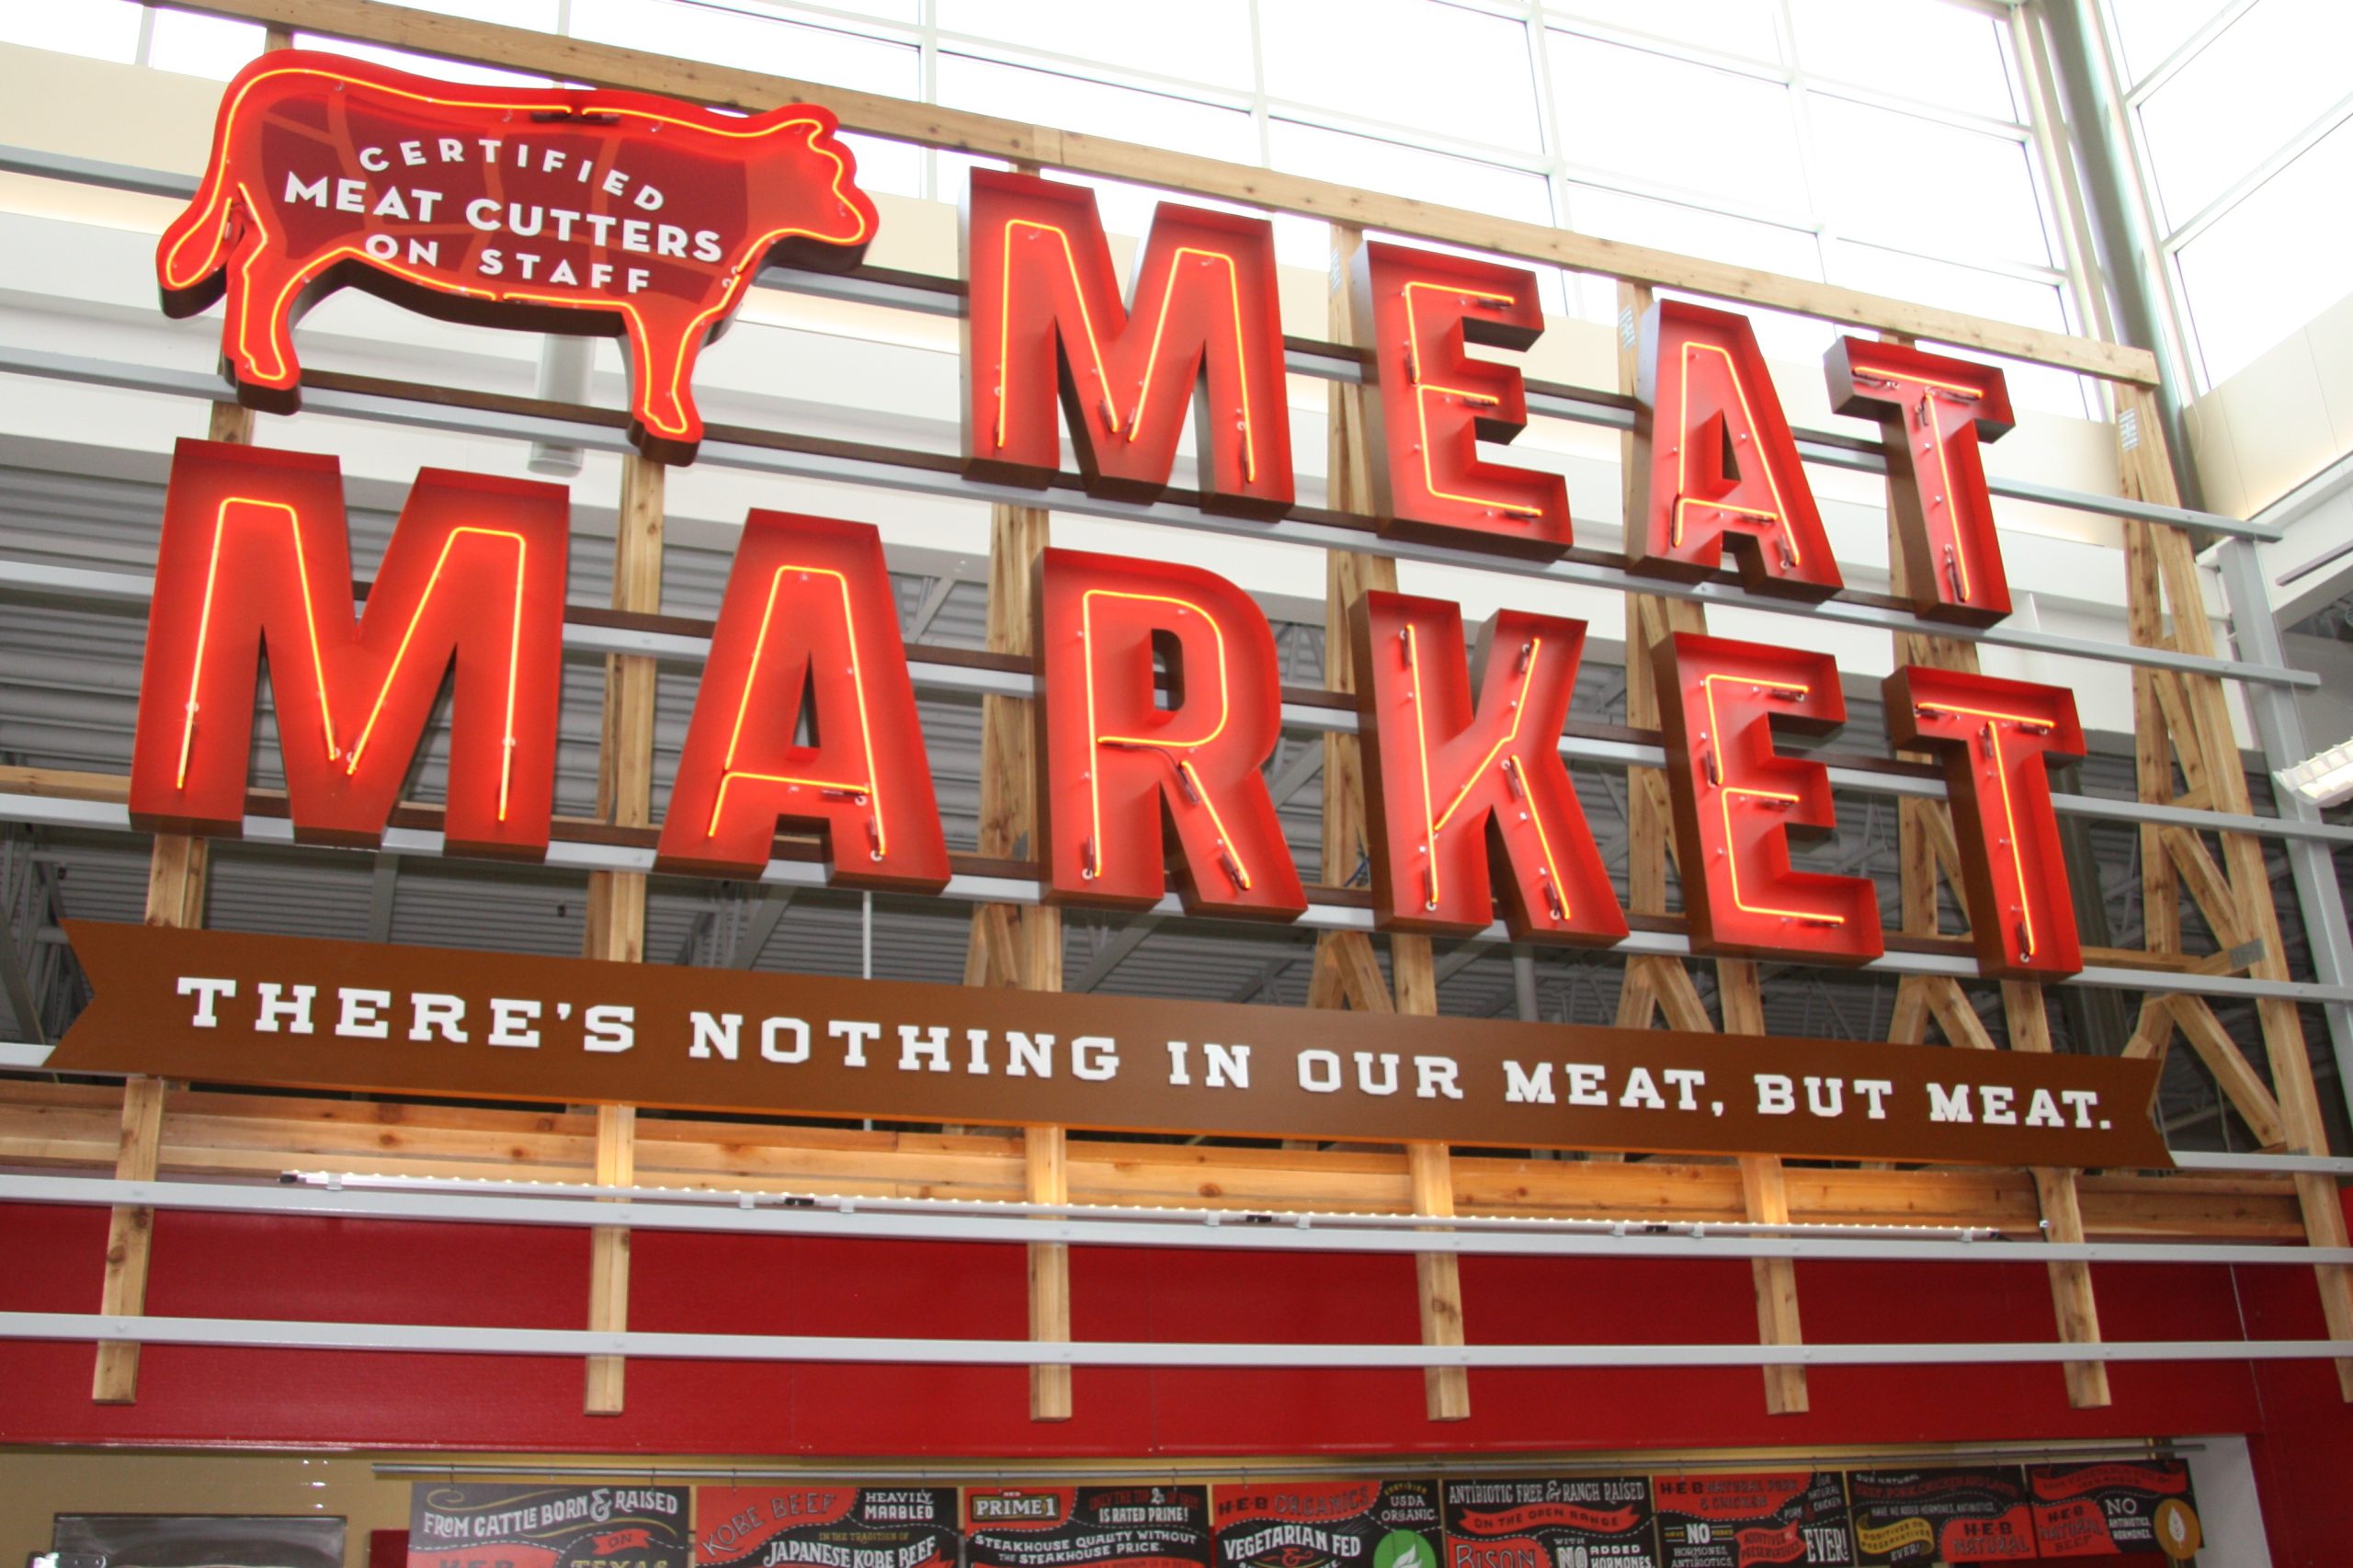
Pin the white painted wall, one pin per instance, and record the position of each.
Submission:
(2224, 1478)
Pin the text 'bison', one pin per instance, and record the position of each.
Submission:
(563, 210)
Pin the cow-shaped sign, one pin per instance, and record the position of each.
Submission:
(566, 210)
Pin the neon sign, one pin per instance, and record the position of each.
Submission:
(256, 558)
(1045, 321)
(549, 210)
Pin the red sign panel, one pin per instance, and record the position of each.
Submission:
(567, 210)
(1934, 411)
(1045, 319)
(1417, 311)
(256, 558)
(1714, 461)
(806, 716)
(1737, 799)
(1994, 736)
(1443, 778)
(1158, 701)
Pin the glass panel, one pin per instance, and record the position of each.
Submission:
(422, 64)
(2024, 301)
(2274, 261)
(1732, 27)
(103, 29)
(542, 15)
(1925, 186)
(1925, 49)
(884, 11)
(1370, 165)
(1712, 133)
(733, 38)
(201, 46)
(1202, 40)
(1439, 68)
(2146, 31)
(2268, 75)
(1068, 103)
(1689, 231)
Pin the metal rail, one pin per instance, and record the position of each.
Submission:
(281, 1335)
(96, 585)
(920, 473)
(946, 296)
(48, 810)
(783, 1215)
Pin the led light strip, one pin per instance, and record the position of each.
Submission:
(1683, 456)
(867, 791)
(1431, 827)
(1992, 734)
(1422, 391)
(1715, 740)
(1097, 740)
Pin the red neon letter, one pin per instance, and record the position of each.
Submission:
(1111, 760)
(254, 556)
(1714, 461)
(1045, 313)
(1737, 799)
(1440, 776)
(809, 630)
(1990, 732)
(1934, 412)
(1416, 310)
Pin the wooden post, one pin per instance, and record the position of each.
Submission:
(177, 868)
(1929, 847)
(1022, 947)
(1662, 985)
(616, 914)
(1348, 971)
(2190, 710)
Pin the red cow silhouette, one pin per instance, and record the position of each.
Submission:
(549, 209)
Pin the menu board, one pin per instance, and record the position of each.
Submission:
(1976, 1514)
(1588, 1522)
(1085, 1526)
(1337, 1524)
(452, 1525)
(1740, 1521)
(827, 1526)
(2107, 1510)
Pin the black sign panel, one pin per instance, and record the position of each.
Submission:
(1741, 1521)
(452, 1525)
(1087, 1527)
(2107, 1510)
(1585, 1522)
(1976, 1514)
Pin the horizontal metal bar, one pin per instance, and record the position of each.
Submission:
(1813, 446)
(46, 810)
(468, 1340)
(1289, 1233)
(41, 580)
(1169, 1214)
(844, 469)
(2264, 1164)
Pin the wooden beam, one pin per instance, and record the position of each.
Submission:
(130, 1238)
(2240, 1083)
(1347, 971)
(930, 125)
(615, 925)
(2161, 557)
(1046, 1180)
(178, 873)
(1928, 848)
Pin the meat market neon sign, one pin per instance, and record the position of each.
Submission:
(1159, 701)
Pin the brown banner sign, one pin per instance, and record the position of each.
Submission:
(229, 1007)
